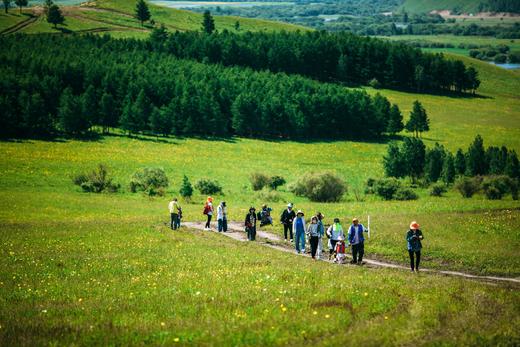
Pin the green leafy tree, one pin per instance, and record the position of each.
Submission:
(107, 112)
(135, 114)
(142, 13)
(46, 6)
(512, 168)
(237, 25)
(414, 153)
(418, 121)
(186, 190)
(21, 4)
(208, 23)
(54, 16)
(160, 121)
(434, 163)
(90, 105)
(7, 4)
(395, 121)
(448, 169)
(393, 162)
(473, 82)
(476, 158)
(460, 162)
(34, 115)
(70, 114)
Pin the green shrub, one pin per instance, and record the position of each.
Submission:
(495, 187)
(276, 181)
(151, 181)
(268, 196)
(370, 186)
(468, 186)
(438, 190)
(405, 194)
(387, 187)
(186, 190)
(259, 180)
(320, 187)
(97, 181)
(208, 187)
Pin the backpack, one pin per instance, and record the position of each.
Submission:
(206, 209)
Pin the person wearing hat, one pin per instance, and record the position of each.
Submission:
(222, 217)
(334, 232)
(414, 237)
(299, 232)
(321, 232)
(287, 219)
(251, 224)
(208, 211)
(340, 251)
(314, 236)
(357, 241)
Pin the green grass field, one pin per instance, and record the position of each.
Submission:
(422, 6)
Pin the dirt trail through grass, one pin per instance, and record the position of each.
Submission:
(236, 232)
(19, 26)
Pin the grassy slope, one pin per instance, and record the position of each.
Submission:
(116, 17)
(420, 6)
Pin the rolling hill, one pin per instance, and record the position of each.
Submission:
(421, 6)
(116, 18)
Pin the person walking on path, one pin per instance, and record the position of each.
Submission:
(250, 224)
(340, 251)
(334, 232)
(314, 236)
(357, 241)
(299, 232)
(321, 232)
(174, 208)
(414, 237)
(208, 211)
(287, 219)
(222, 217)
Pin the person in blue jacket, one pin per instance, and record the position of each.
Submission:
(357, 241)
(299, 232)
(413, 238)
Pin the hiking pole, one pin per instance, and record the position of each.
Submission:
(368, 226)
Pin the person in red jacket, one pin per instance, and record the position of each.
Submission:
(208, 211)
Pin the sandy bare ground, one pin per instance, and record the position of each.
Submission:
(485, 15)
(236, 232)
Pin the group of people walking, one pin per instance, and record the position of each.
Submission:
(296, 230)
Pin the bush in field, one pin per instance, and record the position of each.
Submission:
(96, 181)
(468, 186)
(495, 187)
(276, 181)
(258, 180)
(438, 190)
(405, 194)
(387, 187)
(320, 187)
(208, 187)
(268, 196)
(152, 181)
(186, 190)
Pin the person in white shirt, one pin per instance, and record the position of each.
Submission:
(174, 208)
(222, 217)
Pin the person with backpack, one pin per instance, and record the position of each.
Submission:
(413, 238)
(287, 219)
(250, 224)
(174, 208)
(357, 241)
(313, 234)
(208, 211)
(321, 232)
(299, 232)
(222, 217)
(334, 232)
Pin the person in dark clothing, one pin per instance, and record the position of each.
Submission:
(414, 237)
(287, 218)
(250, 224)
(313, 234)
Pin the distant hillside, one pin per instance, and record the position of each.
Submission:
(420, 6)
(116, 18)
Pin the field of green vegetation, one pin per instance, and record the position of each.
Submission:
(421, 6)
(116, 17)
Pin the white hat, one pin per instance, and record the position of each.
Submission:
(300, 212)
(289, 205)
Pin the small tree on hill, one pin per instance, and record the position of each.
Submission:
(7, 4)
(46, 5)
(395, 121)
(21, 4)
(237, 25)
(186, 190)
(434, 163)
(54, 16)
(476, 158)
(160, 122)
(208, 23)
(414, 153)
(70, 114)
(393, 162)
(107, 111)
(142, 13)
(460, 162)
(448, 169)
(512, 168)
(418, 121)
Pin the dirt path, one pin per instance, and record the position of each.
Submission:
(236, 232)
(19, 26)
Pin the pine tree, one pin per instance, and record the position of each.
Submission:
(46, 6)
(107, 112)
(393, 162)
(186, 190)
(208, 24)
(34, 115)
(70, 114)
(512, 168)
(237, 25)
(142, 13)
(131, 120)
(418, 121)
(90, 106)
(434, 163)
(460, 162)
(448, 169)
(54, 16)
(414, 153)
(21, 4)
(7, 4)
(476, 158)
(395, 120)
(160, 122)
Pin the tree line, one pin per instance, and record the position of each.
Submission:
(68, 84)
(331, 57)
(412, 159)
